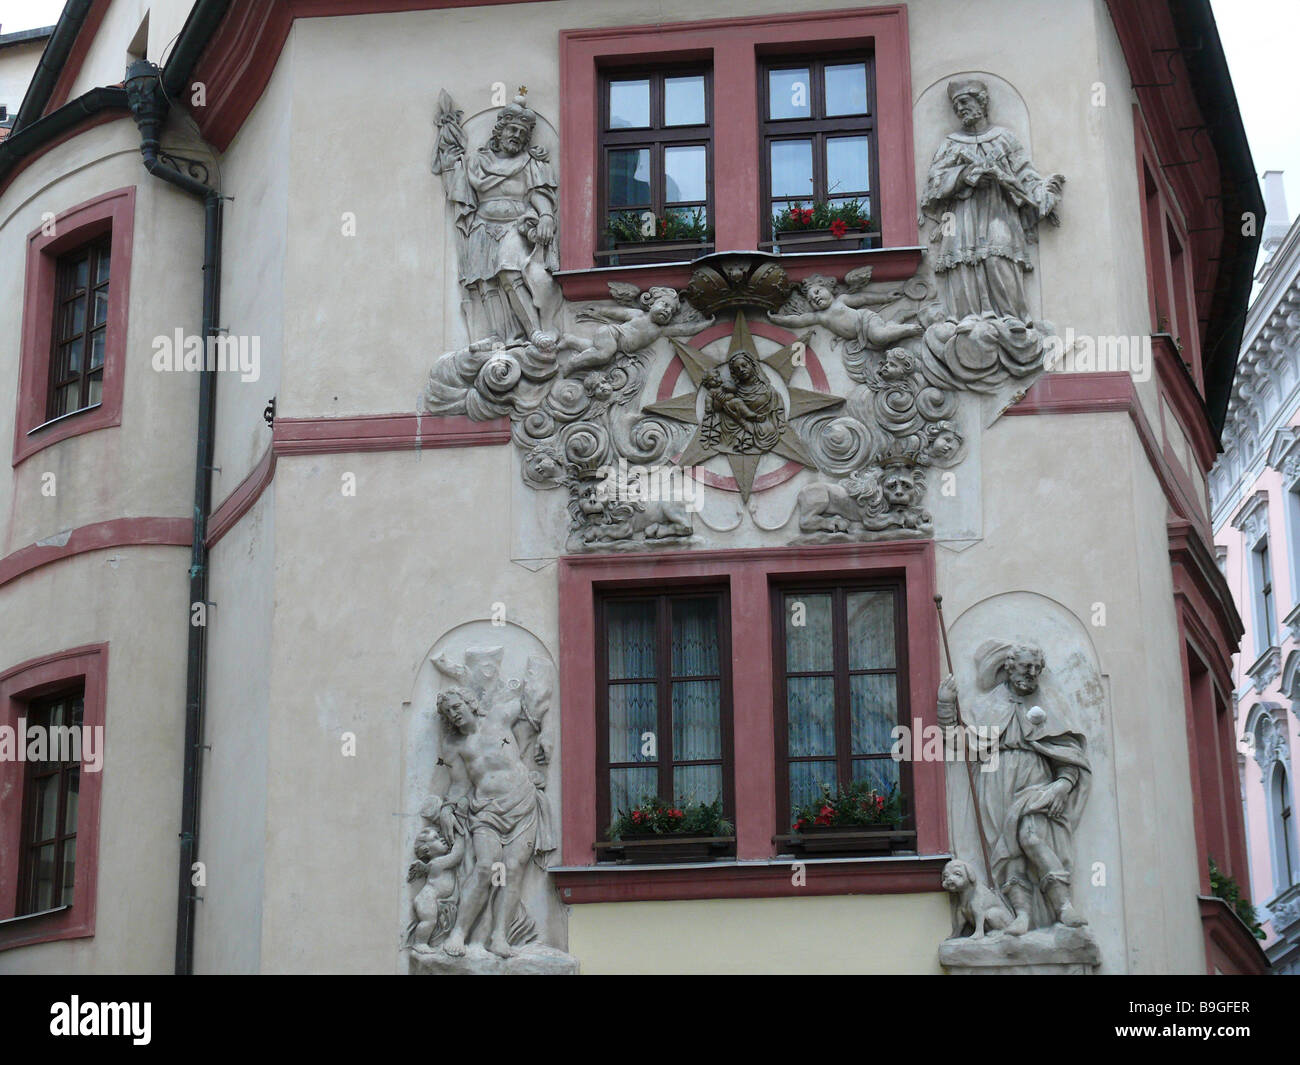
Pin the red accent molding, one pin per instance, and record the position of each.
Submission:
(241, 500)
(77, 56)
(1177, 385)
(749, 574)
(1091, 393)
(112, 212)
(734, 45)
(384, 432)
(1215, 626)
(119, 532)
(242, 55)
(767, 880)
(1229, 947)
(888, 264)
(19, 684)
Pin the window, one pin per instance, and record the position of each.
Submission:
(1266, 625)
(818, 138)
(80, 329)
(50, 806)
(72, 359)
(665, 703)
(840, 668)
(656, 149)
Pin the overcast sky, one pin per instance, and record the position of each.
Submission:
(1259, 37)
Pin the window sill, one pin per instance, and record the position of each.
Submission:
(888, 264)
(9, 922)
(733, 879)
(63, 418)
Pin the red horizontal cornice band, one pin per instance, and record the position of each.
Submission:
(238, 63)
(119, 532)
(750, 880)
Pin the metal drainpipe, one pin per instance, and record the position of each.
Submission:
(149, 107)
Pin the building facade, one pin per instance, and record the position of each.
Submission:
(480, 432)
(1253, 487)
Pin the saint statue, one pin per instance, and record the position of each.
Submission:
(503, 196)
(1030, 804)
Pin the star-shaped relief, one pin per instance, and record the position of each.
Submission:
(745, 417)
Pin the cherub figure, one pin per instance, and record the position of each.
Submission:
(439, 848)
(848, 314)
(629, 329)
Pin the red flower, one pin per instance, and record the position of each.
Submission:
(806, 216)
(676, 813)
(838, 228)
(826, 811)
(637, 815)
(880, 802)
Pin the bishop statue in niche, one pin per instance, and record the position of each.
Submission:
(503, 197)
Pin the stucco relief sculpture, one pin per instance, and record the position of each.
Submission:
(1028, 801)
(985, 199)
(503, 196)
(488, 817)
(879, 499)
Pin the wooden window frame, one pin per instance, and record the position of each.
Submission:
(656, 137)
(110, 216)
(844, 757)
(663, 599)
(93, 252)
(35, 772)
(819, 129)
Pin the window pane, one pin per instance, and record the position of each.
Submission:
(873, 703)
(685, 173)
(871, 630)
(627, 787)
(66, 400)
(684, 101)
(632, 714)
(101, 307)
(807, 646)
(101, 269)
(696, 731)
(847, 167)
(94, 390)
(76, 707)
(806, 780)
(629, 104)
(792, 168)
(880, 773)
(788, 93)
(72, 802)
(69, 871)
(81, 273)
(846, 89)
(810, 709)
(697, 783)
(97, 349)
(695, 637)
(631, 638)
(70, 358)
(43, 875)
(629, 177)
(46, 819)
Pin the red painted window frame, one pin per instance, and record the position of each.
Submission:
(749, 575)
(20, 684)
(734, 47)
(114, 213)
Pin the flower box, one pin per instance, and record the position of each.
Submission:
(791, 241)
(645, 848)
(639, 252)
(849, 839)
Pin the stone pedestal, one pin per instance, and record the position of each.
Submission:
(530, 961)
(1058, 950)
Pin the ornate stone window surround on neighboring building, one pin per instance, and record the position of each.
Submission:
(19, 686)
(1251, 520)
(112, 213)
(1267, 730)
(736, 49)
(749, 577)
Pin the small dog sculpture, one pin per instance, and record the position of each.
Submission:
(977, 906)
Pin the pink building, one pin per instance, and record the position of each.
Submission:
(1255, 488)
